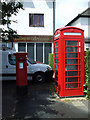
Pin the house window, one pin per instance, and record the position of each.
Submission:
(36, 20)
(39, 52)
(36, 51)
(30, 50)
(47, 50)
(22, 47)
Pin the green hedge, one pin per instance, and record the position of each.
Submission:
(87, 74)
(51, 60)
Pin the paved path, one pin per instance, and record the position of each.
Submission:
(41, 102)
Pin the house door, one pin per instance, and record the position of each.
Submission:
(72, 66)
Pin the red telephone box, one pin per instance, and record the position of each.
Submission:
(21, 73)
(69, 61)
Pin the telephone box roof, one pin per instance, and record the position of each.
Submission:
(68, 27)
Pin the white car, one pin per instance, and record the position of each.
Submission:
(35, 71)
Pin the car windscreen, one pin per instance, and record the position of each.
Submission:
(31, 61)
(12, 59)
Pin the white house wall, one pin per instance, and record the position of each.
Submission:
(83, 24)
(76, 23)
(89, 27)
(22, 26)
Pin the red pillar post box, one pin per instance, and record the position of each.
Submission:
(69, 61)
(21, 73)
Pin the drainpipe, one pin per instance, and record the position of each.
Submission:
(53, 20)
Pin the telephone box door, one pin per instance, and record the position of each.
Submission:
(73, 67)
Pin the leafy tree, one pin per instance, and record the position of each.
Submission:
(9, 8)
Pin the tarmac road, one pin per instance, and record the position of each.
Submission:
(41, 102)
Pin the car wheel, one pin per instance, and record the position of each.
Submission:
(39, 78)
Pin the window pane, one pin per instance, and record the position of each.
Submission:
(56, 84)
(30, 50)
(56, 66)
(22, 47)
(79, 55)
(72, 55)
(47, 50)
(79, 61)
(65, 49)
(65, 79)
(65, 55)
(72, 61)
(66, 86)
(73, 85)
(39, 52)
(56, 49)
(72, 67)
(56, 44)
(79, 79)
(56, 78)
(79, 43)
(65, 43)
(56, 55)
(79, 67)
(79, 49)
(36, 20)
(56, 60)
(65, 61)
(72, 73)
(65, 67)
(72, 43)
(41, 19)
(56, 72)
(65, 73)
(30, 20)
(72, 49)
(74, 79)
(79, 84)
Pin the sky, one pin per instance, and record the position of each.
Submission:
(66, 10)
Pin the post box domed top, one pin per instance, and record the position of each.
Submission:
(20, 53)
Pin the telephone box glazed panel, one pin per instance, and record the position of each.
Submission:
(69, 61)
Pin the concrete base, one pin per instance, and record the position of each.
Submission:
(21, 90)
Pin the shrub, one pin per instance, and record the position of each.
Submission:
(87, 74)
(51, 60)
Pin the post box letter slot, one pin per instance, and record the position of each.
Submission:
(20, 65)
